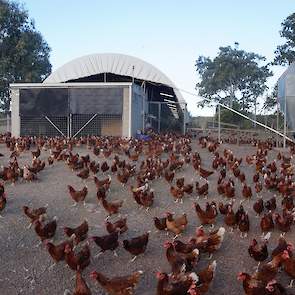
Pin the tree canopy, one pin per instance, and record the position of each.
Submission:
(285, 54)
(234, 77)
(271, 99)
(24, 54)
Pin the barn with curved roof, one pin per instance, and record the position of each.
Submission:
(98, 94)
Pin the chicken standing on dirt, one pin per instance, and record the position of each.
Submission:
(176, 225)
(117, 285)
(84, 174)
(266, 223)
(244, 225)
(34, 214)
(45, 231)
(81, 286)
(136, 246)
(78, 196)
(107, 242)
(179, 286)
(160, 223)
(208, 215)
(77, 261)
(268, 271)
(259, 252)
(57, 252)
(111, 207)
(230, 218)
(79, 233)
(208, 243)
(206, 275)
(120, 225)
(177, 193)
(28, 175)
(181, 262)
(289, 266)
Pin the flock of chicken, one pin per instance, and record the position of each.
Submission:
(137, 164)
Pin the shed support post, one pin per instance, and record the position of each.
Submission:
(7, 123)
(278, 124)
(285, 122)
(219, 127)
(159, 117)
(70, 125)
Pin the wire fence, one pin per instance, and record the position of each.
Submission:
(5, 124)
(73, 125)
(233, 126)
(166, 116)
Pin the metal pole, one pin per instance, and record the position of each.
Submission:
(184, 118)
(68, 126)
(159, 117)
(70, 129)
(277, 124)
(285, 115)
(255, 110)
(7, 123)
(143, 108)
(219, 127)
(285, 120)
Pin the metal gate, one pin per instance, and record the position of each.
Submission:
(95, 124)
(43, 126)
(73, 125)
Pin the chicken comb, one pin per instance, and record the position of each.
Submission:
(93, 274)
(166, 244)
(286, 254)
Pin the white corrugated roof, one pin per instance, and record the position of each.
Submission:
(119, 64)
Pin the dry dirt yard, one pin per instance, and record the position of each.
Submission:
(24, 267)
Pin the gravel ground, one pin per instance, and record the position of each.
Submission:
(24, 267)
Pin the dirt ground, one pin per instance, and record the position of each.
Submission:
(24, 267)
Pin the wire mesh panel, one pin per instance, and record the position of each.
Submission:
(171, 118)
(5, 124)
(43, 126)
(96, 124)
(153, 119)
(164, 116)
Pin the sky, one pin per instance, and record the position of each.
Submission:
(170, 34)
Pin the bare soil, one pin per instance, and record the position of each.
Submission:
(24, 267)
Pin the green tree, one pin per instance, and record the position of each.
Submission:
(234, 77)
(24, 54)
(285, 54)
(271, 100)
